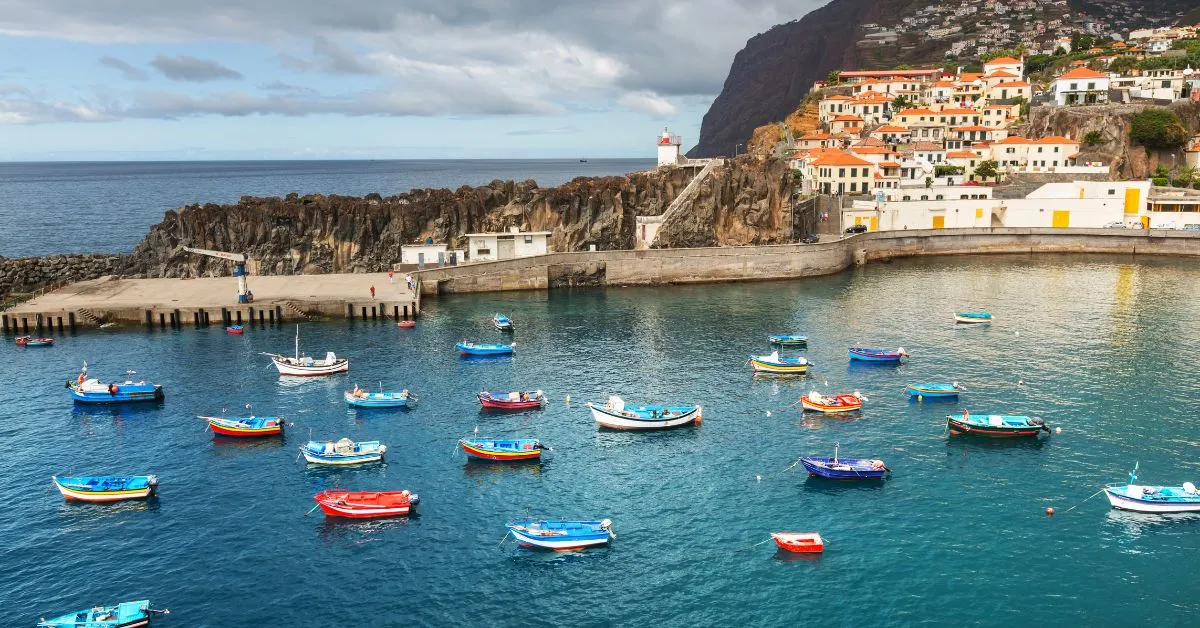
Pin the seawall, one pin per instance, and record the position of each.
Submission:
(786, 261)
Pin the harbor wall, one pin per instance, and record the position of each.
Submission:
(786, 261)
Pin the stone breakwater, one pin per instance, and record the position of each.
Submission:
(745, 201)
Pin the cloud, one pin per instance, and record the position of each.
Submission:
(648, 102)
(188, 68)
(20, 105)
(563, 130)
(128, 71)
(330, 58)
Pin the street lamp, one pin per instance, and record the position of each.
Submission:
(1171, 173)
(735, 149)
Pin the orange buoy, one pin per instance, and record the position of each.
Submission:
(1050, 512)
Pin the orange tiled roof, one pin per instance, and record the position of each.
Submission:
(1012, 84)
(1002, 61)
(1055, 139)
(893, 128)
(847, 118)
(1001, 74)
(972, 128)
(839, 158)
(916, 111)
(927, 146)
(1014, 139)
(961, 154)
(1082, 73)
(888, 164)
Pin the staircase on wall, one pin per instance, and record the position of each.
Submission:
(689, 193)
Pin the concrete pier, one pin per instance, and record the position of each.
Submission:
(166, 303)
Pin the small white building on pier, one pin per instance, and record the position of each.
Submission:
(491, 247)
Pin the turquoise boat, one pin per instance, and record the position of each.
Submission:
(935, 391)
(972, 318)
(789, 340)
(119, 615)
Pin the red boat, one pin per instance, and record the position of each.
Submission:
(518, 400)
(832, 404)
(235, 329)
(365, 504)
(26, 341)
(801, 542)
(406, 324)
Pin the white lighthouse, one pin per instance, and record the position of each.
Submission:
(668, 148)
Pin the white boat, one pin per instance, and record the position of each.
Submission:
(304, 366)
(615, 415)
(1155, 499)
(343, 452)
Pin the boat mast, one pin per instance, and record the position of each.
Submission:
(297, 342)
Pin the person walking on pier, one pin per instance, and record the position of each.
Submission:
(391, 277)
(372, 292)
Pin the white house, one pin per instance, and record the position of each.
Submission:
(429, 254)
(490, 247)
(1081, 86)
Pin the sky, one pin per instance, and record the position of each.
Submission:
(377, 79)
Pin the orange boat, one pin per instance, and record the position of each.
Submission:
(833, 404)
(364, 504)
(406, 324)
(800, 542)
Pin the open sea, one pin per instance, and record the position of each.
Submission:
(1103, 347)
(106, 207)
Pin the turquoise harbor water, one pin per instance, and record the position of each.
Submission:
(1102, 347)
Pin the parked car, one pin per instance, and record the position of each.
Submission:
(811, 238)
(856, 229)
(1116, 224)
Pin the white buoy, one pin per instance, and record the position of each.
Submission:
(568, 400)
(1020, 382)
(1058, 430)
(758, 477)
(768, 413)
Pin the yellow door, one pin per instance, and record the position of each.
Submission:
(1145, 222)
(1133, 198)
(858, 220)
(1061, 219)
(874, 224)
(939, 222)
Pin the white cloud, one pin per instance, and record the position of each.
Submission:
(648, 102)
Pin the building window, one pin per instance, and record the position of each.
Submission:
(1112, 192)
(924, 197)
(483, 251)
(1092, 85)
(528, 239)
(841, 172)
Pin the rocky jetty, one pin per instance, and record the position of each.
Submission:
(743, 202)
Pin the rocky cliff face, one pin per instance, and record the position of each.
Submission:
(742, 203)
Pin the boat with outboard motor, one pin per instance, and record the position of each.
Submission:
(510, 450)
(884, 356)
(561, 535)
(995, 425)
(363, 398)
(119, 615)
(304, 366)
(366, 504)
(250, 426)
(615, 415)
(836, 468)
(91, 390)
(1153, 499)
(502, 322)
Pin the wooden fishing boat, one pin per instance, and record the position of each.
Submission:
(845, 468)
(343, 452)
(119, 615)
(615, 415)
(888, 356)
(366, 504)
(801, 542)
(935, 391)
(512, 400)
(362, 398)
(561, 535)
(1154, 499)
(779, 365)
(832, 404)
(789, 340)
(513, 450)
(502, 322)
(406, 324)
(29, 341)
(995, 425)
(304, 366)
(245, 426)
(105, 488)
(972, 318)
(90, 390)
(235, 330)
(484, 349)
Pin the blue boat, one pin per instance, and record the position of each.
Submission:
(561, 535)
(892, 356)
(362, 398)
(105, 488)
(470, 349)
(513, 450)
(972, 317)
(788, 340)
(845, 468)
(343, 452)
(502, 322)
(935, 391)
(89, 390)
(119, 615)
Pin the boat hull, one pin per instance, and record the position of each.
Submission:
(829, 408)
(931, 393)
(560, 537)
(819, 467)
(966, 319)
(961, 428)
(26, 341)
(614, 421)
(483, 351)
(376, 401)
(128, 393)
(492, 404)
(876, 358)
(317, 369)
(233, 428)
(1121, 500)
(366, 505)
(801, 543)
(76, 494)
(496, 455)
(122, 615)
(760, 366)
(313, 458)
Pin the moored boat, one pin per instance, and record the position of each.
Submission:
(995, 425)
(366, 504)
(406, 324)
(512, 400)
(789, 340)
(561, 535)
(935, 391)
(836, 468)
(343, 452)
(502, 322)
(801, 542)
(91, 390)
(119, 615)
(511, 450)
(250, 426)
(304, 366)
(615, 415)
(105, 488)
(832, 404)
(363, 398)
(30, 341)
(484, 349)
(779, 365)
(235, 330)
(1154, 499)
(972, 318)
(864, 354)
